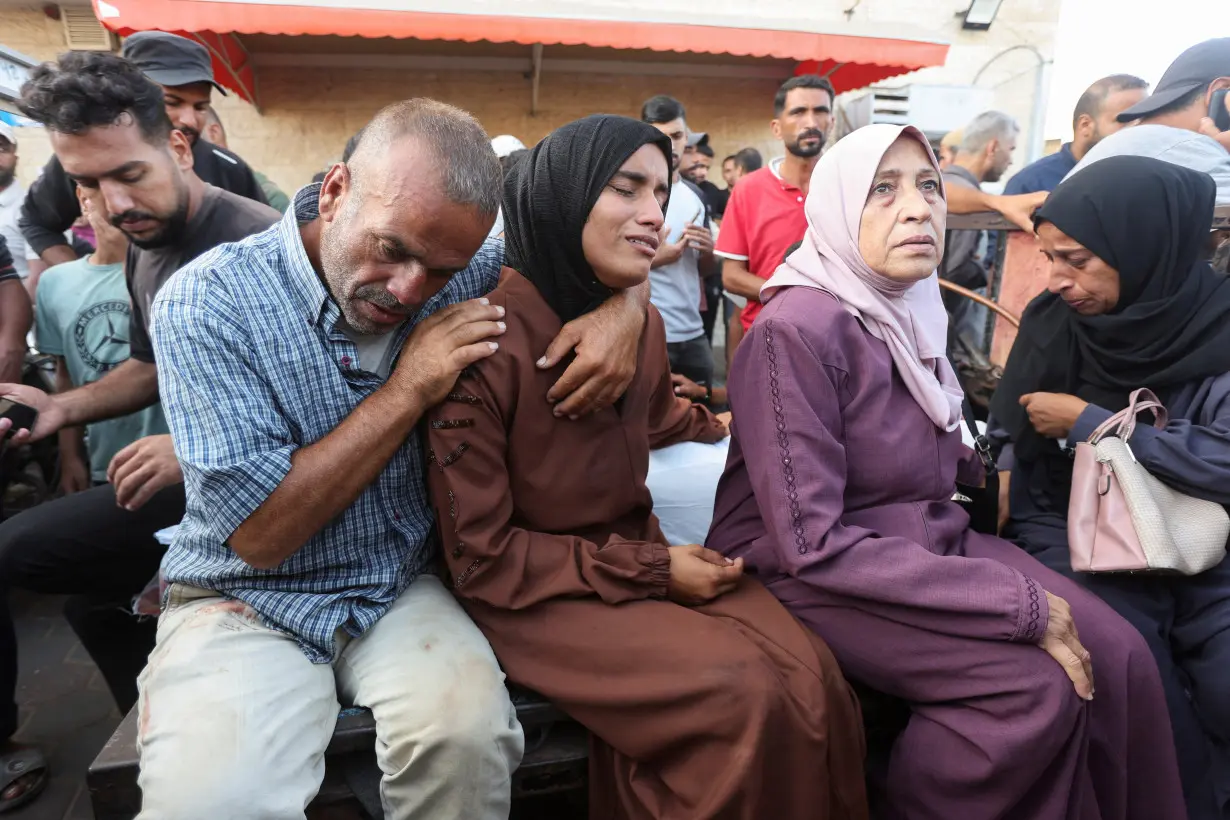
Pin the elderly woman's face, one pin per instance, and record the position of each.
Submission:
(901, 234)
(1078, 275)
(621, 238)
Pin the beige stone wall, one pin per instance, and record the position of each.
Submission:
(299, 133)
(308, 113)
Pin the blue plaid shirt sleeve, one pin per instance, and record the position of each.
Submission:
(233, 444)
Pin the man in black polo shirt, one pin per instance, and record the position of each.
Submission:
(183, 69)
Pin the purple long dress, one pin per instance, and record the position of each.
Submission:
(837, 494)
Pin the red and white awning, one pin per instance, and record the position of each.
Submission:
(850, 60)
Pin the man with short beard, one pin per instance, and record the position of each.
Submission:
(765, 214)
(1096, 117)
(110, 132)
(983, 155)
(183, 71)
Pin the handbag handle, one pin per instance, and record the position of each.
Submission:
(1123, 423)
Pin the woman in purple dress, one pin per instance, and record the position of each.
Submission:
(844, 459)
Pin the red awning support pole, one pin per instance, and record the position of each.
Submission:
(535, 76)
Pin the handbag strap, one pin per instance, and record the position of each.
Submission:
(1123, 423)
(982, 445)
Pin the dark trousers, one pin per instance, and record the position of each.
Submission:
(1186, 622)
(713, 304)
(693, 358)
(85, 546)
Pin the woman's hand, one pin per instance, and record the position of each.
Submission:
(1053, 414)
(699, 575)
(1063, 644)
(687, 388)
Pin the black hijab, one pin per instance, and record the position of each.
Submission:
(1150, 220)
(547, 200)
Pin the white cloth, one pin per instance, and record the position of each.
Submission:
(683, 481)
(234, 719)
(11, 199)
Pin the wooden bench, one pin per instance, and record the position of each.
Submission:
(556, 755)
(556, 759)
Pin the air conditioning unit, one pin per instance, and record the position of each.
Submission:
(933, 109)
(83, 32)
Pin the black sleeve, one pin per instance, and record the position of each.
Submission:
(50, 208)
(139, 345)
(7, 271)
(225, 170)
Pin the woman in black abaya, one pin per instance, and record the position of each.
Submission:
(1131, 303)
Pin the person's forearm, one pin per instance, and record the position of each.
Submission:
(740, 281)
(128, 388)
(16, 317)
(57, 255)
(327, 476)
(71, 441)
(962, 200)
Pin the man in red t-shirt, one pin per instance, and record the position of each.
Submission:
(765, 214)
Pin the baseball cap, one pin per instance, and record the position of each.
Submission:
(169, 59)
(1194, 68)
(7, 132)
(505, 144)
(696, 138)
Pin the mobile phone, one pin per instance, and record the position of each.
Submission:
(22, 415)
(1218, 112)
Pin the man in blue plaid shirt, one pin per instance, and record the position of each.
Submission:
(294, 367)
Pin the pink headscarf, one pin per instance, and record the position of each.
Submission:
(909, 318)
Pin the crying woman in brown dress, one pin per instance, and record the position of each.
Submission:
(705, 697)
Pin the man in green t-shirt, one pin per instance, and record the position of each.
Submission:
(82, 318)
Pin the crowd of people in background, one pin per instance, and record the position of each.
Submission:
(373, 409)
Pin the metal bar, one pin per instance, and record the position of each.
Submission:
(536, 63)
(1008, 316)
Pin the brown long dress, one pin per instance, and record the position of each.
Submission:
(728, 710)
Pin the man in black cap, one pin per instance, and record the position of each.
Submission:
(183, 69)
(1173, 122)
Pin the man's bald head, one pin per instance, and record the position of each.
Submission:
(407, 211)
(1096, 114)
(469, 170)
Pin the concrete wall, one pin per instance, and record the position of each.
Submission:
(24, 28)
(309, 112)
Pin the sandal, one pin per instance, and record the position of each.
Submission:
(18, 763)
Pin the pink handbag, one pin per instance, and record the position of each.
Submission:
(1123, 519)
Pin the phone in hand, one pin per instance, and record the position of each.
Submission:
(1218, 113)
(22, 415)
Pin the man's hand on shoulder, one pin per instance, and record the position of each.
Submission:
(443, 345)
(606, 341)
